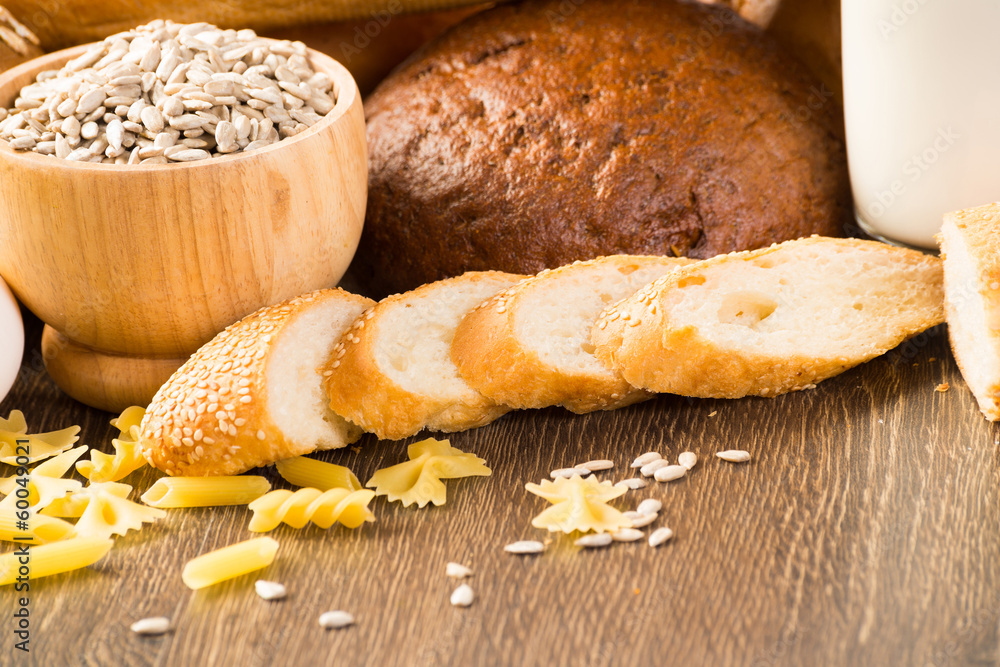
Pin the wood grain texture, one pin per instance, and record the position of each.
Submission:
(863, 532)
(175, 253)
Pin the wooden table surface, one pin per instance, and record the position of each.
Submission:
(863, 532)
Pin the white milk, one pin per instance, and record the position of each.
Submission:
(922, 107)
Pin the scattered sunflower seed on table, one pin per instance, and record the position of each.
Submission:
(734, 455)
(525, 547)
(170, 93)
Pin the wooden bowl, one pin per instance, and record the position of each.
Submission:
(132, 268)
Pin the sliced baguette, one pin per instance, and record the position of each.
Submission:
(970, 247)
(770, 321)
(253, 395)
(392, 372)
(529, 346)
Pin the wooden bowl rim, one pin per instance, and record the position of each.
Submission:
(346, 87)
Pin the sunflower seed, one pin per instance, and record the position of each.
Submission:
(457, 571)
(22, 143)
(335, 620)
(648, 457)
(632, 483)
(193, 76)
(189, 155)
(598, 465)
(734, 456)
(649, 506)
(640, 520)
(660, 536)
(462, 596)
(270, 590)
(594, 540)
(626, 535)
(525, 547)
(156, 625)
(687, 459)
(670, 473)
(650, 468)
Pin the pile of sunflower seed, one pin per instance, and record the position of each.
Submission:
(168, 92)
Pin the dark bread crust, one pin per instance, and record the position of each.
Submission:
(523, 140)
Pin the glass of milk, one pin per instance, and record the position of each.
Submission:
(922, 108)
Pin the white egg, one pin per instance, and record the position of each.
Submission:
(11, 339)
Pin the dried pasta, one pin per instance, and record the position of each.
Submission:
(323, 508)
(419, 479)
(128, 452)
(44, 482)
(229, 562)
(205, 491)
(104, 510)
(303, 471)
(54, 558)
(579, 504)
(39, 446)
(41, 528)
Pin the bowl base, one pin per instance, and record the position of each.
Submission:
(102, 380)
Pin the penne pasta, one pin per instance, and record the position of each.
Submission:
(54, 558)
(303, 471)
(324, 508)
(41, 528)
(229, 562)
(205, 491)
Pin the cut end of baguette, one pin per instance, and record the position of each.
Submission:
(770, 321)
(529, 346)
(392, 372)
(253, 394)
(970, 247)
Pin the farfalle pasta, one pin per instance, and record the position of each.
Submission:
(39, 446)
(323, 508)
(44, 483)
(128, 453)
(104, 510)
(579, 504)
(419, 479)
(41, 529)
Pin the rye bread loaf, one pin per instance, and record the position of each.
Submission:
(525, 139)
(770, 321)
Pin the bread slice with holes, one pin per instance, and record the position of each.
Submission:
(970, 247)
(770, 321)
(253, 395)
(392, 372)
(529, 346)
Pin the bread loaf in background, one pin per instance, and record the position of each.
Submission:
(515, 142)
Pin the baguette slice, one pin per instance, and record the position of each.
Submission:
(253, 395)
(769, 321)
(392, 372)
(970, 247)
(529, 346)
